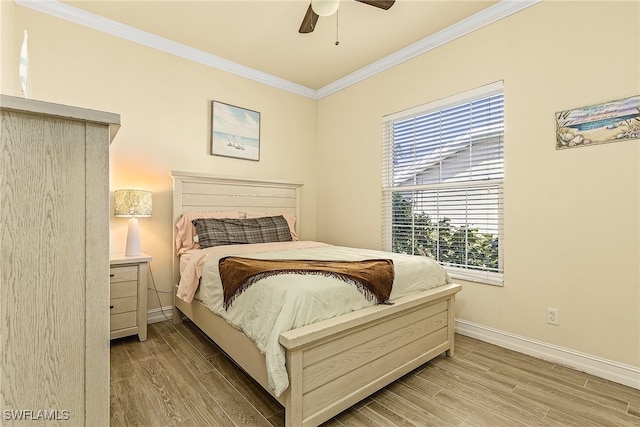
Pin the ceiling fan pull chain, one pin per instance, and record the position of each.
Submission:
(337, 36)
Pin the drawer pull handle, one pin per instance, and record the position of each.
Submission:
(112, 275)
(111, 306)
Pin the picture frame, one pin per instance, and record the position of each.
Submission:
(235, 132)
(611, 121)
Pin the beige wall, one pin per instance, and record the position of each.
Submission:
(164, 103)
(571, 217)
(8, 66)
(572, 235)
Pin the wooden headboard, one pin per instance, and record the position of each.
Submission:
(198, 192)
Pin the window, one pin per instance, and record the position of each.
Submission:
(443, 173)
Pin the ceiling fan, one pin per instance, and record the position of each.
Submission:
(319, 8)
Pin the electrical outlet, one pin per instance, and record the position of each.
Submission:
(553, 316)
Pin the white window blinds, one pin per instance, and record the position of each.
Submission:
(443, 173)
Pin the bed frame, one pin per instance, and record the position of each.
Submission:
(332, 364)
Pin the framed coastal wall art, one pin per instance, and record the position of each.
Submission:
(235, 131)
(599, 123)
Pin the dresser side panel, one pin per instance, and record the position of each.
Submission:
(43, 277)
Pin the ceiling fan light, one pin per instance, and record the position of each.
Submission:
(325, 7)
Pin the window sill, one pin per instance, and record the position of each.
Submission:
(483, 277)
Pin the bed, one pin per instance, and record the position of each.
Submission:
(331, 364)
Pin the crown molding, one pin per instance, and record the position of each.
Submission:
(73, 14)
(481, 19)
(100, 23)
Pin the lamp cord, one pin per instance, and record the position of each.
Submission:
(153, 283)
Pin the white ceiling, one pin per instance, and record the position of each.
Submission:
(260, 38)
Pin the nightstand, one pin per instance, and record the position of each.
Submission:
(128, 286)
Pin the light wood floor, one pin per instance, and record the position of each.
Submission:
(179, 377)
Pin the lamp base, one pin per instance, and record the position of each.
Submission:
(133, 238)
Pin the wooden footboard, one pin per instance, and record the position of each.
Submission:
(337, 362)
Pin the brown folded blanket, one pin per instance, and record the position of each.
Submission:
(372, 277)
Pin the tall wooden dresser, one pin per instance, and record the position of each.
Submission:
(54, 232)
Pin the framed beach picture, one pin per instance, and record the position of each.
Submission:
(611, 121)
(235, 131)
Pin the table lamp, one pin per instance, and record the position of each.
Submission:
(132, 204)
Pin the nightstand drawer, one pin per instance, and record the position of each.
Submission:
(123, 320)
(121, 305)
(123, 274)
(124, 289)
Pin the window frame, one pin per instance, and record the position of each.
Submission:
(389, 187)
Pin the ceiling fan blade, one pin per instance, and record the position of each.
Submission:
(309, 21)
(382, 4)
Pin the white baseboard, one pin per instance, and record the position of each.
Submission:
(603, 368)
(156, 315)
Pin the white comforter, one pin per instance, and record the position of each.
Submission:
(284, 302)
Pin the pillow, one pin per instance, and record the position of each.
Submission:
(231, 231)
(185, 237)
(291, 220)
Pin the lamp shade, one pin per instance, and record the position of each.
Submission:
(325, 7)
(132, 203)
